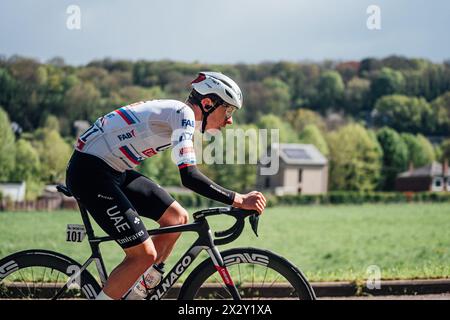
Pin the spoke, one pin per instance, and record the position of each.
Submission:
(240, 277)
(23, 280)
(223, 286)
(6, 291)
(264, 280)
(32, 279)
(56, 282)
(43, 278)
(253, 276)
(274, 281)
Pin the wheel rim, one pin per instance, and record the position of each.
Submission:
(38, 282)
(254, 282)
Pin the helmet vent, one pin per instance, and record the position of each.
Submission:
(228, 93)
(226, 83)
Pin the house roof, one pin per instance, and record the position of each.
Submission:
(431, 170)
(298, 154)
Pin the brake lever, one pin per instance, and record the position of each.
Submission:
(254, 219)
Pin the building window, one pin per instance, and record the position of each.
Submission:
(300, 173)
(438, 184)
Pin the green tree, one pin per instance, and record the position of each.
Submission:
(300, 118)
(420, 150)
(271, 121)
(235, 176)
(7, 147)
(441, 113)
(395, 156)
(330, 90)
(386, 82)
(427, 147)
(312, 135)
(404, 114)
(28, 169)
(355, 95)
(355, 158)
(7, 87)
(82, 101)
(51, 123)
(54, 153)
(161, 169)
(27, 162)
(277, 97)
(269, 96)
(133, 94)
(445, 147)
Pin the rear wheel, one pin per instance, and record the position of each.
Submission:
(40, 274)
(257, 274)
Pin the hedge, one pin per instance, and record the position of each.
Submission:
(348, 197)
(194, 200)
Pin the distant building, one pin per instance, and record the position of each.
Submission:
(302, 170)
(14, 191)
(80, 127)
(432, 177)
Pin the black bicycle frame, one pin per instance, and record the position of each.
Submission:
(204, 242)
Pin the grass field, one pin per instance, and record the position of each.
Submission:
(405, 241)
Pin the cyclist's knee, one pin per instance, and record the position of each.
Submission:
(174, 215)
(144, 253)
(183, 216)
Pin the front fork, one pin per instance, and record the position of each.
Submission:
(223, 271)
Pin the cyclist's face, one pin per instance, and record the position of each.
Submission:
(221, 117)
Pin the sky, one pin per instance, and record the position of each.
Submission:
(228, 31)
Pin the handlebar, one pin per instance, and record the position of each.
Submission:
(236, 229)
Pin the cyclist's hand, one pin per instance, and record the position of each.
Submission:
(251, 201)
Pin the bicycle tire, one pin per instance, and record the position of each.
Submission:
(192, 287)
(24, 262)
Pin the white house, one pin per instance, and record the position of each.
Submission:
(302, 170)
(14, 191)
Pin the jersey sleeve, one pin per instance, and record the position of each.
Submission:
(182, 122)
(183, 126)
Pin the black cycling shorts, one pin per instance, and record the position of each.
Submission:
(116, 199)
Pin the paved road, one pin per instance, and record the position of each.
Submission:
(445, 296)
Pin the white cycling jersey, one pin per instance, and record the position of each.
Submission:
(127, 136)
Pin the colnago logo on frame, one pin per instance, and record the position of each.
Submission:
(171, 278)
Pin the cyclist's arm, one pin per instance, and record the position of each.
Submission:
(193, 179)
(183, 125)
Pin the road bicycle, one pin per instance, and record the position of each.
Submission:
(239, 273)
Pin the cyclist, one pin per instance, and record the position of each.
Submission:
(100, 172)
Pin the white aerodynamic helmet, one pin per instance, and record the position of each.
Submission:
(220, 85)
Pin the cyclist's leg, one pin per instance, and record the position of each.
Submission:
(118, 218)
(154, 202)
(98, 189)
(164, 243)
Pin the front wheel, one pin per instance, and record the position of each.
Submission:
(257, 274)
(40, 274)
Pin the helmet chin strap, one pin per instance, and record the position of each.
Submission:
(207, 113)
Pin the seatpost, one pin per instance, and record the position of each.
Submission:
(86, 221)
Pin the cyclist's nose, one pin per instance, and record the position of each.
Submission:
(229, 121)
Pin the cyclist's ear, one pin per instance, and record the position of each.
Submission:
(206, 103)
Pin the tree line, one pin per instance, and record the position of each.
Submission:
(371, 118)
